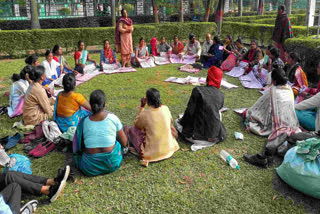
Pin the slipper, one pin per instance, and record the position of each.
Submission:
(29, 207)
(39, 148)
(4, 140)
(44, 150)
(12, 141)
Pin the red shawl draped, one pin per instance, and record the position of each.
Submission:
(109, 54)
(127, 21)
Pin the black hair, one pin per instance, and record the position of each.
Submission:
(217, 39)
(275, 52)
(79, 43)
(69, 82)
(26, 70)
(294, 56)
(269, 47)
(122, 11)
(15, 77)
(31, 59)
(229, 37)
(282, 7)
(104, 41)
(175, 36)
(153, 97)
(55, 49)
(255, 41)
(37, 73)
(240, 40)
(278, 76)
(191, 36)
(48, 52)
(97, 100)
(163, 38)
(141, 38)
(79, 69)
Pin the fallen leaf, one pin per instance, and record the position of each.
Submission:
(186, 189)
(182, 182)
(184, 150)
(76, 191)
(274, 197)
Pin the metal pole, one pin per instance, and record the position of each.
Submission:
(113, 12)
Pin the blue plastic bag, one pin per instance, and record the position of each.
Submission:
(300, 174)
(22, 164)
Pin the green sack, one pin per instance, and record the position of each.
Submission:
(301, 174)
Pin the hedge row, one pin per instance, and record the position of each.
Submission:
(297, 20)
(309, 51)
(261, 32)
(102, 21)
(23, 40)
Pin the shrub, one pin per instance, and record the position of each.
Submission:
(65, 11)
(22, 40)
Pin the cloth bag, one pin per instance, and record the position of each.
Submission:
(229, 63)
(19, 163)
(302, 175)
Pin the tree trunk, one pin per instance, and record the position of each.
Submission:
(219, 15)
(240, 6)
(231, 5)
(113, 12)
(288, 4)
(35, 24)
(208, 10)
(181, 11)
(261, 7)
(155, 11)
(256, 6)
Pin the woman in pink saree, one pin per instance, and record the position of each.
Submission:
(124, 31)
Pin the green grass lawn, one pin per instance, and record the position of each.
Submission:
(189, 182)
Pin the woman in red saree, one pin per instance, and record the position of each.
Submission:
(124, 31)
(177, 46)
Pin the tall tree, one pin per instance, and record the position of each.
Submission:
(219, 15)
(155, 11)
(208, 10)
(113, 12)
(261, 7)
(288, 4)
(181, 11)
(240, 7)
(35, 24)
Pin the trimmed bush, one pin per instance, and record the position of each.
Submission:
(23, 40)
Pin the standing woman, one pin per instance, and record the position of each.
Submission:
(124, 31)
(58, 57)
(81, 57)
(51, 68)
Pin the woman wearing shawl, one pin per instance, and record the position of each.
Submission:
(282, 31)
(107, 55)
(202, 119)
(215, 53)
(67, 109)
(228, 47)
(295, 74)
(272, 116)
(98, 139)
(176, 45)
(18, 90)
(81, 57)
(58, 57)
(154, 125)
(124, 31)
(153, 43)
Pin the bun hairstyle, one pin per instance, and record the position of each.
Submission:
(275, 52)
(217, 39)
(26, 70)
(55, 49)
(15, 77)
(278, 76)
(69, 82)
(153, 97)
(31, 59)
(97, 101)
(295, 57)
(48, 52)
(36, 73)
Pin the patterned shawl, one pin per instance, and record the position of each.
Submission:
(127, 21)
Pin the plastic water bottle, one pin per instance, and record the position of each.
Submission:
(4, 158)
(229, 159)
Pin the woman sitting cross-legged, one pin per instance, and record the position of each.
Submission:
(98, 139)
(18, 90)
(52, 68)
(272, 116)
(37, 106)
(215, 54)
(81, 57)
(108, 56)
(67, 109)
(58, 57)
(141, 53)
(295, 74)
(153, 134)
(201, 122)
(176, 45)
